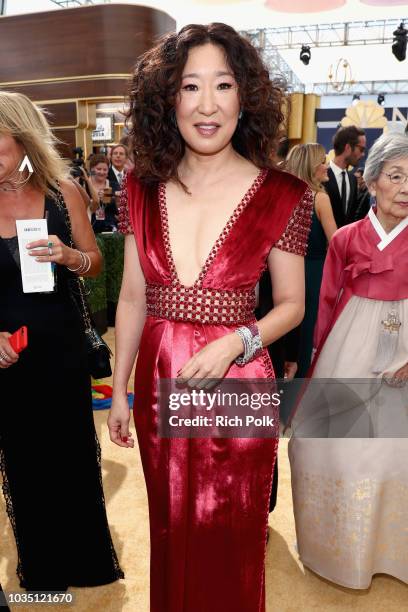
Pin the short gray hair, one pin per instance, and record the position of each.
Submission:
(388, 147)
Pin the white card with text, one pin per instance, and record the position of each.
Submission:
(37, 276)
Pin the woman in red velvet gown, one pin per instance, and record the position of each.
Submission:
(207, 213)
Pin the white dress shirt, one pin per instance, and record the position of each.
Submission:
(119, 175)
(337, 173)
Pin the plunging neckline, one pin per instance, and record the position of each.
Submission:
(231, 221)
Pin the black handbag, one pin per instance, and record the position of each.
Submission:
(99, 353)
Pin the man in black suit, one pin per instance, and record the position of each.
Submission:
(119, 156)
(349, 145)
(364, 197)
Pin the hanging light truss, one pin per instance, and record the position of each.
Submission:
(362, 88)
(74, 3)
(278, 68)
(328, 34)
(271, 40)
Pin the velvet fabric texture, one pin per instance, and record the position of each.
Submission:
(208, 498)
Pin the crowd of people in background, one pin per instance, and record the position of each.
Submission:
(340, 197)
(100, 182)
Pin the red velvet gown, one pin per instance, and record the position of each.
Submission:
(208, 498)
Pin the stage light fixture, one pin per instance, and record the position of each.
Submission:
(381, 99)
(399, 45)
(305, 54)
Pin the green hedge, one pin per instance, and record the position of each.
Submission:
(106, 286)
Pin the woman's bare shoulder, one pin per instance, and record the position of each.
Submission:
(322, 199)
(70, 192)
(73, 199)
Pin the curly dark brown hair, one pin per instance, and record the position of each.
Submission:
(154, 137)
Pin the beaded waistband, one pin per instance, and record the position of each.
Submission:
(200, 304)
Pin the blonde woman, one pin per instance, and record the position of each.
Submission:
(50, 457)
(308, 162)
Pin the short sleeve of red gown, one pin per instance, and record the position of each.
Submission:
(124, 224)
(295, 237)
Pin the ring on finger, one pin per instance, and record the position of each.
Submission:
(50, 245)
(3, 356)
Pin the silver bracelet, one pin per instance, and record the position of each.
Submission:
(84, 266)
(252, 343)
(88, 264)
(246, 337)
(81, 265)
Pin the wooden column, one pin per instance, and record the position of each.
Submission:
(309, 126)
(295, 116)
(86, 125)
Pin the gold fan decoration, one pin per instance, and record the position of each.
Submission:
(365, 114)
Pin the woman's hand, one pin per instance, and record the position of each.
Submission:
(212, 361)
(399, 378)
(7, 355)
(118, 422)
(54, 250)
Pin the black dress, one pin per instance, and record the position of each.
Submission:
(314, 264)
(49, 452)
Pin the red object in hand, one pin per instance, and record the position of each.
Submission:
(19, 339)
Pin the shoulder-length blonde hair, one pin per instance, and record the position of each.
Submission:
(303, 160)
(26, 123)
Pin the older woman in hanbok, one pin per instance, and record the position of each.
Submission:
(351, 495)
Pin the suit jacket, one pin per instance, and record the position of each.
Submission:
(364, 204)
(111, 210)
(353, 209)
(113, 181)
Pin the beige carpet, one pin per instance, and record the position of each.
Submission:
(290, 588)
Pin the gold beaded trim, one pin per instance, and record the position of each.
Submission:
(200, 304)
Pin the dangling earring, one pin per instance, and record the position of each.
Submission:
(240, 115)
(17, 179)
